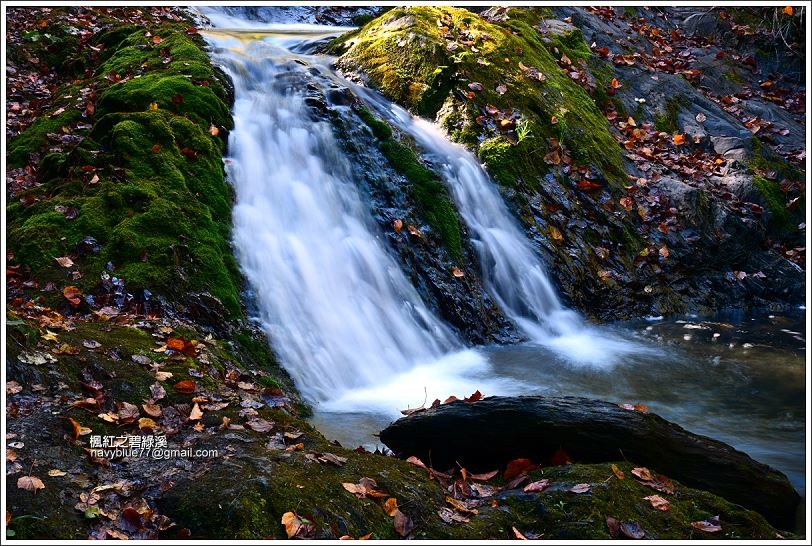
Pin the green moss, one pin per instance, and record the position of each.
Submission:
(35, 137)
(160, 206)
(427, 188)
(776, 202)
(668, 120)
(404, 55)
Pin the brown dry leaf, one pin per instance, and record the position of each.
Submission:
(127, 412)
(403, 523)
(12, 387)
(613, 526)
(56, 473)
(292, 523)
(30, 483)
(461, 506)
(397, 225)
(413, 231)
(390, 506)
(536, 487)
(708, 525)
(417, 462)
(450, 516)
(518, 534)
(64, 261)
(555, 233)
(457, 272)
(196, 414)
(295, 447)
(257, 424)
(485, 476)
(153, 410)
(658, 502)
(355, 489)
(156, 148)
(162, 376)
(618, 472)
(642, 473)
(552, 158)
(580, 488)
(476, 396)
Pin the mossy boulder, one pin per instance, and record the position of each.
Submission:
(143, 173)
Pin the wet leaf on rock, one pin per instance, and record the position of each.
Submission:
(632, 530)
(658, 502)
(293, 524)
(257, 424)
(613, 526)
(618, 472)
(185, 387)
(708, 525)
(518, 467)
(403, 524)
(642, 473)
(536, 487)
(30, 483)
(580, 488)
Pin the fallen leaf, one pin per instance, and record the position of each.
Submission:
(56, 473)
(616, 84)
(49, 336)
(185, 387)
(580, 488)
(450, 516)
(12, 387)
(153, 410)
(700, 118)
(156, 40)
(30, 483)
(642, 473)
(474, 397)
(537, 487)
(788, 10)
(397, 225)
(214, 131)
(64, 261)
(196, 414)
(484, 477)
(390, 506)
(618, 472)
(146, 424)
(403, 523)
(708, 525)
(555, 233)
(292, 523)
(457, 272)
(658, 502)
(518, 467)
(156, 148)
(501, 89)
(518, 534)
(417, 462)
(679, 139)
(560, 457)
(461, 506)
(475, 86)
(632, 530)
(258, 424)
(613, 526)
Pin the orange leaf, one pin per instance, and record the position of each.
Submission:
(214, 131)
(616, 84)
(560, 457)
(457, 272)
(618, 472)
(474, 397)
(555, 233)
(77, 428)
(156, 40)
(517, 467)
(185, 387)
(518, 534)
(679, 139)
(292, 523)
(156, 148)
(397, 224)
(153, 106)
(788, 10)
(175, 344)
(390, 506)
(414, 231)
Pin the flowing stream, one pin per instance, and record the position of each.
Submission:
(357, 339)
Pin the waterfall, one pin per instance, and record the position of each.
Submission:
(339, 310)
(511, 269)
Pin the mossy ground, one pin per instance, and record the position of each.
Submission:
(146, 180)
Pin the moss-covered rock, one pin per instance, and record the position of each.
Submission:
(147, 180)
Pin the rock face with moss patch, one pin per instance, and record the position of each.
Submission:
(570, 138)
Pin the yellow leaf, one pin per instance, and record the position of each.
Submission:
(618, 472)
(292, 523)
(153, 106)
(390, 506)
(555, 233)
(49, 336)
(145, 423)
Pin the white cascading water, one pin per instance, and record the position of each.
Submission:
(512, 271)
(340, 312)
(344, 320)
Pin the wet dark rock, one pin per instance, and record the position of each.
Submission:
(483, 435)
(205, 309)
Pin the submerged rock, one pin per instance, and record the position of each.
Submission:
(493, 431)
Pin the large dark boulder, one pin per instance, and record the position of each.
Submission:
(493, 431)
